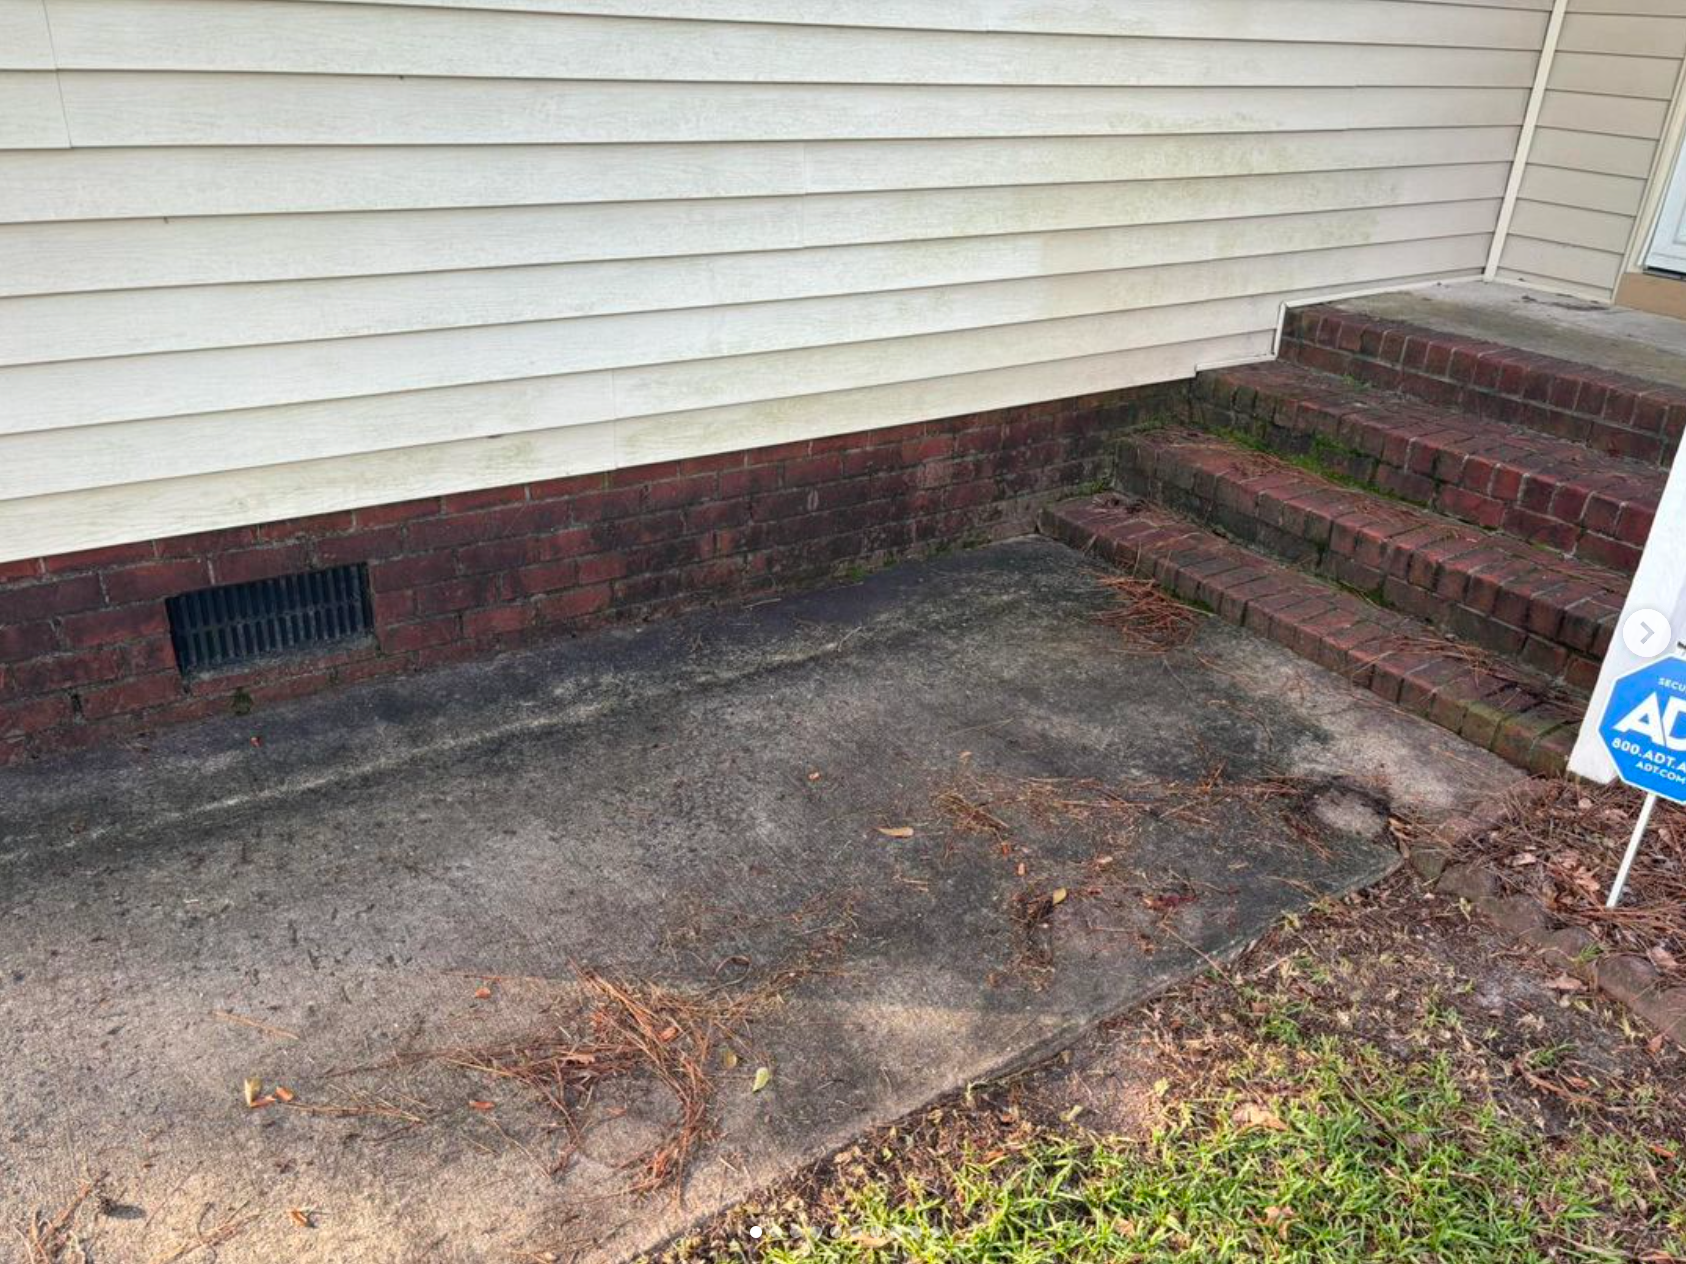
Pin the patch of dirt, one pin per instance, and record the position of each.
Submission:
(1563, 845)
(1397, 968)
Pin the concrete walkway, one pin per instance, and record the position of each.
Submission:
(699, 804)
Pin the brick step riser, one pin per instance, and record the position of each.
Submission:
(1553, 512)
(1403, 577)
(1608, 412)
(1376, 649)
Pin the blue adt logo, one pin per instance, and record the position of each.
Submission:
(1645, 728)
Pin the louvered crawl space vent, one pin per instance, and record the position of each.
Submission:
(236, 623)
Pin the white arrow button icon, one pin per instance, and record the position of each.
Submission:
(1647, 633)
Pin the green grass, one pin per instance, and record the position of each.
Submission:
(1360, 1157)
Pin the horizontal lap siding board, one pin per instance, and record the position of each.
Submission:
(101, 455)
(43, 328)
(31, 114)
(133, 254)
(133, 183)
(105, 108)
(1618, 68)
(271, 36)
(25, 42)
(1323, 21)
(307, 255)
(91, 395)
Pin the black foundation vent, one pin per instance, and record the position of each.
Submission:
(237, 623)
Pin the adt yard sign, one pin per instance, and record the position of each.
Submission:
(1636, 726)
(1645, 728)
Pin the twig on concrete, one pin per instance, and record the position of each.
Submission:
(46, 1241)
(268, 1029)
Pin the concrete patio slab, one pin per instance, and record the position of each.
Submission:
(424, 864)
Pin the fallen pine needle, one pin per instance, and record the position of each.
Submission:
(269, 1029)
(1147, 618)
(45, 1241)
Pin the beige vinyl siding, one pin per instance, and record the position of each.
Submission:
(261, 258)
(1618, 69)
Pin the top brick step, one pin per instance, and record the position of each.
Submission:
(1507, 478)
(1610, 412)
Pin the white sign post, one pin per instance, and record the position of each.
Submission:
(1635, 728)
(1632, 851)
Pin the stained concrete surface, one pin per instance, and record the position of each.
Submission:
(1617, 338)
(643, 803)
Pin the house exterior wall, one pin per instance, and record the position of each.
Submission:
(269, 258)
(86, 656)
(1606, 110)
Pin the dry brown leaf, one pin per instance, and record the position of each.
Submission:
(1252, 1115)
(477, 1104)
(1566, 983)
(301, 1217)
(252, 1089)
(896, 831)
(283, 1093)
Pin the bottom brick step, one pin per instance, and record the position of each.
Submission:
(1506, 709)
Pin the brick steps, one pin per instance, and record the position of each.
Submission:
(1609, 412)
(1450, 522)
(1491, 474)
(1511, 711)
(1551, 614)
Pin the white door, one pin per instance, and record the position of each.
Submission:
(1668, 246)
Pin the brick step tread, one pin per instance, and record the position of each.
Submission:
(1550, 613)
(1491, 473)
(1508, 710)
(1613, 412)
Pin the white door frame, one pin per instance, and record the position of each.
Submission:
(1667, 247)
(1667, 181)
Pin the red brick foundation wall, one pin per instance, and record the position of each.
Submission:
(85, 652)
